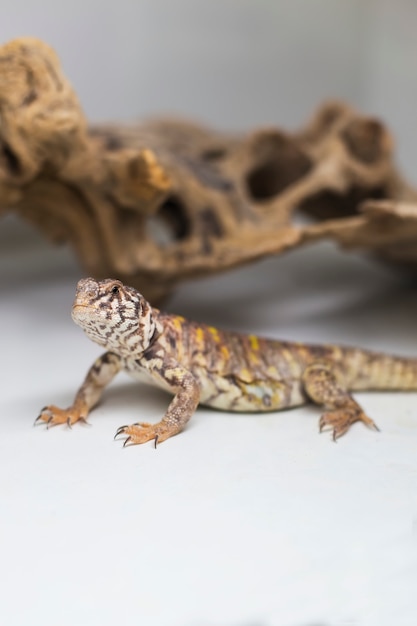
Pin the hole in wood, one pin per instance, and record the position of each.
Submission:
(9, 160)
(365, 140)
(279, 164)
(213, 154)
(329, 204)
(170, 223)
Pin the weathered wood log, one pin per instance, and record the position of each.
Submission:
(156, 203)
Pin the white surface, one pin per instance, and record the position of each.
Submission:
(239, 520)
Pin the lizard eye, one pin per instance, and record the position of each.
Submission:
(115, 290)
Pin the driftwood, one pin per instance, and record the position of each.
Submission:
(157, 203)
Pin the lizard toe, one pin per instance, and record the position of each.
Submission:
(340, 420)
(140, 432)
(54, 416)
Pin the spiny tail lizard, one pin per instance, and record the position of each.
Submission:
(226, 370)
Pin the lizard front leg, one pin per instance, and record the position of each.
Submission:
(187, 395)
(323, 388)
(98, 377)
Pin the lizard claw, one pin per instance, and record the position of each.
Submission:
(119, 431)
(141, 432)
(53, 416)
(44, 413)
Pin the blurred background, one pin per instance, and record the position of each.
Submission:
(233, 64)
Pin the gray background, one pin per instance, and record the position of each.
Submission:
(240, 520)
(233, 63)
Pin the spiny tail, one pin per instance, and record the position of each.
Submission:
(372, 370)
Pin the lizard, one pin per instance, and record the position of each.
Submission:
(200, 364)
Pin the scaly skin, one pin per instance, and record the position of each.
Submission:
(225, 370)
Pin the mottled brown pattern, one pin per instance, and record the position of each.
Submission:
(201, 364)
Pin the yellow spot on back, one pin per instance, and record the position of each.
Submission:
(225, 352)
(254, 342)
(199, 335)
(253, 354)
(214, 332)
(177, 321)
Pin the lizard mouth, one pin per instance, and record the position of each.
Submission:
(77, 306)
(79, 312)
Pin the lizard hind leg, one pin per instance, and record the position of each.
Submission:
(322, 387)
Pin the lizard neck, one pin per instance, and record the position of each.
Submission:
(126, 334)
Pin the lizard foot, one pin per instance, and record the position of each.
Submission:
(142, 432)
(340, 421)
(52, 416)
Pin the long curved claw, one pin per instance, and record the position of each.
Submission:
(119, 431)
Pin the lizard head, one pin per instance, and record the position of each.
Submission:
(113, 315)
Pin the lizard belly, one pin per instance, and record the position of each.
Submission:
(231, 394)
